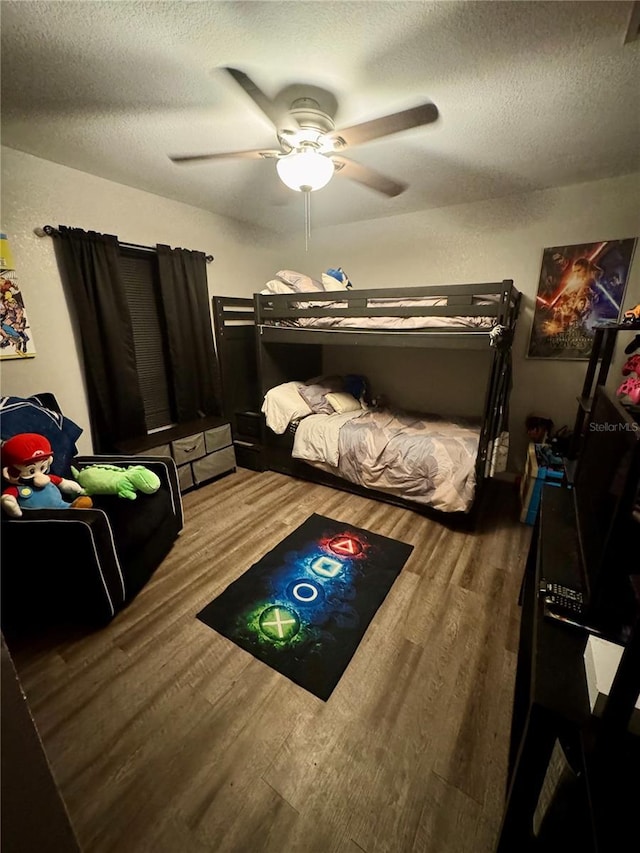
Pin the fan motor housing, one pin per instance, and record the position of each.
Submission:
(312, 124)
(308, 114)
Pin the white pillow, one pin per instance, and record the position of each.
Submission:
(298, 281)
(342, 402)
(277, 286)
(282, 405)
(331, 283)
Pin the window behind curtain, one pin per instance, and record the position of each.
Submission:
(140, 272)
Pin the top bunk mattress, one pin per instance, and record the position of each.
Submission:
(477, 307)
(393, 320)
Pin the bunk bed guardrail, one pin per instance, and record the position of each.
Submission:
(497, 299)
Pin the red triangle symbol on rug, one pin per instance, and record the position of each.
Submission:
(344, 546)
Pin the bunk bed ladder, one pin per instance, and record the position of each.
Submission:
(496, 407)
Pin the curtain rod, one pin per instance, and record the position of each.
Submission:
(49, 230)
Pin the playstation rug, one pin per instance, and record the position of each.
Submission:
(304, 607)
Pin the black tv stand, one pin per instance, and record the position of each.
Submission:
(570, 621)
(552, 720)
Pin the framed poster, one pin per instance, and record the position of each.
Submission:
(16, 340)
(579, 286)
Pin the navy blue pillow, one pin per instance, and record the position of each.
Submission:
(28, 414)
(357, 386)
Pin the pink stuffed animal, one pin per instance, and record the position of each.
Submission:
(632, 365)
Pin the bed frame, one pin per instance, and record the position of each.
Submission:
(256, 354)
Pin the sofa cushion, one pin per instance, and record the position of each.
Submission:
(134, 522)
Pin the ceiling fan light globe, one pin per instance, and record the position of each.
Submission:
(306, 170)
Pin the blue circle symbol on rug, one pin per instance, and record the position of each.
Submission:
(279, 623)
(305, 592)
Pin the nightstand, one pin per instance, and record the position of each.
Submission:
(247, 440)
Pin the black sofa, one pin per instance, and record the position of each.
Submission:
(81, 565)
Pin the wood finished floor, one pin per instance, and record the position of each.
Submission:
(164, 736)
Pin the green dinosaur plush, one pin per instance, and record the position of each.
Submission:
(104, 479)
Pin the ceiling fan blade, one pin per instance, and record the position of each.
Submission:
(256, 154)
(368, 177)
(276, 115)
(386, 125)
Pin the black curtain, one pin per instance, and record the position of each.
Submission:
(185, 304)
(90, 264)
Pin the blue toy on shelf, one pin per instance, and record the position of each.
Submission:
(542, 466)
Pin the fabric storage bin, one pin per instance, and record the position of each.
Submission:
(217, 438)
(188, 443)
(189, 448)
(213, 465)
(185, 477)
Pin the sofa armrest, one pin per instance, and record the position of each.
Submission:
(77, 566)
(164, 466)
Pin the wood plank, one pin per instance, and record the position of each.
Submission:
(163, 735)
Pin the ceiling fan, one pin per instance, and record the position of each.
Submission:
(311, 147)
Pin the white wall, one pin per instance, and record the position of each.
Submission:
(486, 241)
(37, 192)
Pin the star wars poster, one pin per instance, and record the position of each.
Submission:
(16, 340)
(580, 286)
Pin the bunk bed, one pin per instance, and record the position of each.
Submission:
(289, 332)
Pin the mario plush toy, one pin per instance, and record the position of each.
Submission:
(26, 459)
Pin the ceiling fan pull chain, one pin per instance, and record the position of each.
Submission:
(307, 218)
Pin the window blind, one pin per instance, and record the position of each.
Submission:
(139, 271)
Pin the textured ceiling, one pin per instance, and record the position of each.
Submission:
(531, 95)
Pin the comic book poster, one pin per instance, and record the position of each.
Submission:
(580, 286)
(16, 340)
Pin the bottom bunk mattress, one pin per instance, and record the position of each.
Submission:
(422, 458)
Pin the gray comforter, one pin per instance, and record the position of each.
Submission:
(423, 458)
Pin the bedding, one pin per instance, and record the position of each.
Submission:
(290, 282)
(341, 401)
(291, 401)
(391, 322)
(295, 282)
(317, 437)
(331, 283)
(314, 392)
(282, 405)
(423, 458)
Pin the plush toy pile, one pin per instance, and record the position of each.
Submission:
(26, 462)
